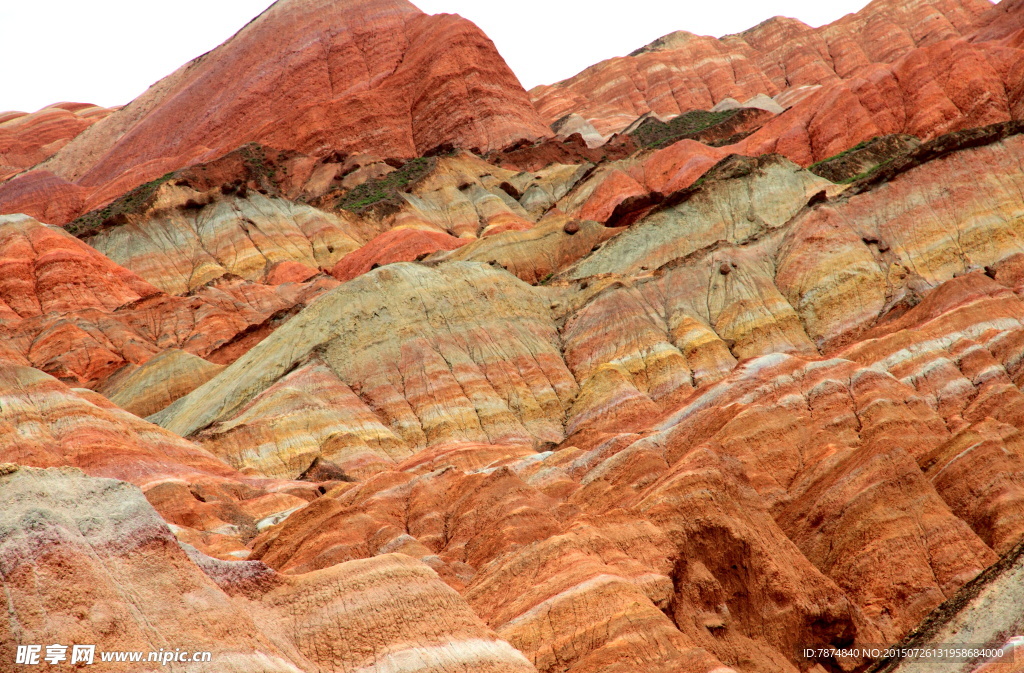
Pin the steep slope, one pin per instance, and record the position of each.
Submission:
(28, 139)
(68, 310)
(984, 615)
(683, 71)
(148, 594)
(309, 75)
(677, 403)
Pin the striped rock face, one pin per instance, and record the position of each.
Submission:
(146, 389)
(28, 139)
(739, 404)
(465, 353)
(682, 71)
(179, 247)
(148, 593)
(698, 285)
(986, 610)
(850, 81)
(765, 381)
(675, 403)
(71, 312)
(219, 221)
(913, 95)
(311, 76)
(45, 424)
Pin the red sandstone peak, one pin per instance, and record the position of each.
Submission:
(673, 404)
(777, 56)
(1004, 21)
(313, 76)
(27, 139)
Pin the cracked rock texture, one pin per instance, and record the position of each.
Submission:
(146, 592)
(417, 384)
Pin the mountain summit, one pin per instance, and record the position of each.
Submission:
(339, 361)
(314, 76)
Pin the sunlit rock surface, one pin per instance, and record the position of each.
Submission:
(686, 398)
(682, 71)
(146, 593)
(311, 76)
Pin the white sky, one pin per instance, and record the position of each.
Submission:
(109, 51)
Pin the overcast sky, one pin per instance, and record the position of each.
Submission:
(109, 51)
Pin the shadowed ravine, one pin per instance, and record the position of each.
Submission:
(337, 351)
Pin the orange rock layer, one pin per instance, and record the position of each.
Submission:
(551, 408)
(307, 75)
(28, 139)
(71, 312)
(683, 71)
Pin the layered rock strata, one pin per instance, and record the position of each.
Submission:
(561, 408)
(148, 594)
(683, 71)
(306, 75)
(29, 139)
(464, 353)
(68, 310)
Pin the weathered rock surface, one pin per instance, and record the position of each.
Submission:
(923, 70)
(683, 71)
(1002, 22)
(464, 353)
(46, 424)
(42, 195)
(690, 445)
(703, 430)
(864, 158)
(669, 402)
(964, 226)
(469, 198)
(28, 139)
(146, 593)
(186, 239)
(68, 310)
(146, 389)
(396, 245)
(772, 187)
(535, 255)
(986, 612)
(935, 89)
(312, 76)
(572, 124)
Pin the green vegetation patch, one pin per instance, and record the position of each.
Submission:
(865, 158)
(655, 133)
(871, 171)
(255, 157)
(856, 148)
(387, 187)
(134, 201)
